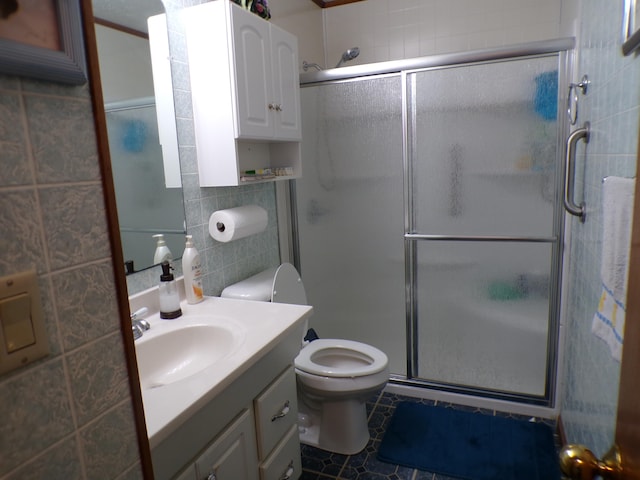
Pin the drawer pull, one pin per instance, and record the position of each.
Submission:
(289, 473)
(283, 412)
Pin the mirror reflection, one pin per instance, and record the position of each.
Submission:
(147, 206)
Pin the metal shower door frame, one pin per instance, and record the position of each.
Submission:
(563, 49)
(412, 238)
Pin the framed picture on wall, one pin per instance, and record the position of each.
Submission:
(42, 39)
(630, 26)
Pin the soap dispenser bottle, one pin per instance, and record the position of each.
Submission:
(162, 252)
(192, 269)
(168, 292)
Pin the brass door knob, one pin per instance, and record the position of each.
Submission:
(577, 462)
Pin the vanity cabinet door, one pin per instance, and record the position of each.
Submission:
(253, 70)
(233, 455)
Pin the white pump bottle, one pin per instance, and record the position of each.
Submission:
(162, 252)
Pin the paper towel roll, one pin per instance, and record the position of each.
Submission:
(234, 223)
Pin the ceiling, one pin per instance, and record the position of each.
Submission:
(134, 14)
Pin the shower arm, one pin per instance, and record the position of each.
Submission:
(306, 65)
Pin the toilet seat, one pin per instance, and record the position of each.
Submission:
(340, 359)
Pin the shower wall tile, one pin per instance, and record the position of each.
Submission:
(134, 473)
(612, 105)
(50, 319)
(40, 414)
(225, 263)
(75, 224)
(110, 444)
(61, 461)
(52, 219)
(98, 374)
(12, 142)
(21, 240)
(387, 30)
(93, 317)
(71, 154)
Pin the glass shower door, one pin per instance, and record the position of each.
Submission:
(483, 230)
(349, 211)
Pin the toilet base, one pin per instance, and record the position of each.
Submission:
(338, 427)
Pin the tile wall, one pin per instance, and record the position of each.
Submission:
(68, 415)
(589, 396)
(224, 263)
(390, 30)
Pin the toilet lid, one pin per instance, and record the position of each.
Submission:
(287, 286)
(340, 358)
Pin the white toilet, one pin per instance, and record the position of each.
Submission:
(335, 377)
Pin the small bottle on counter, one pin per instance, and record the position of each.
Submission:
(168, 291)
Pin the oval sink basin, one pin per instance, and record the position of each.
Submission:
(174, 354)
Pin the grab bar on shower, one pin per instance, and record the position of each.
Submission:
(569, 171)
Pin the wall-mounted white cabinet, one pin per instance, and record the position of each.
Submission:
(245, 94)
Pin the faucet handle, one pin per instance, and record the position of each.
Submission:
(138, 314)
(143, 324)
(137, 331)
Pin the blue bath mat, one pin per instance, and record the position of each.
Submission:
(469, 445)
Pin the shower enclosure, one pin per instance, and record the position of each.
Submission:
(429, 216)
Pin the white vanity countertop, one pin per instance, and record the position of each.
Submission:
(168, 406)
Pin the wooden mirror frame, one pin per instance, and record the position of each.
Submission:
(122, 295)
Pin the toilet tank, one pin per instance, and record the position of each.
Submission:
(279, 284)
(259, 287)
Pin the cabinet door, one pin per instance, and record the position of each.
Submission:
(233, 455)
(252, 58)
(286, 85)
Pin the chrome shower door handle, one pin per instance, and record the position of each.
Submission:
(569, 171)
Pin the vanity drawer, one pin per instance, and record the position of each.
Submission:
(276, 410)
(284, 463)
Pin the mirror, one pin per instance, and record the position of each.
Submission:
(146, 206)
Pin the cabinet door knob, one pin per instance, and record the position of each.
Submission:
(278, 108)
(283, 412)
(289, 473)
(272, 106)
(212, 476)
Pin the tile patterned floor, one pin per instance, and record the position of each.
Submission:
(321, 465)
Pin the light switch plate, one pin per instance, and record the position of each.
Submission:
(23, 337)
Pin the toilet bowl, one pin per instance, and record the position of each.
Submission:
(334, 376)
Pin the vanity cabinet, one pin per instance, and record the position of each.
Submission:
(247, 432)
(261, 443)
(245, 94)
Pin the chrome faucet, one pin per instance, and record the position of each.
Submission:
(138, 325)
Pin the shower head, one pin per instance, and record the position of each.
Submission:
(349, 55)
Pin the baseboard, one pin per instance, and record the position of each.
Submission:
(560, 431)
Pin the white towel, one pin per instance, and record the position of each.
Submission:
(617, 203)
